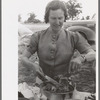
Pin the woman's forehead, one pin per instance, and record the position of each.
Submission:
(57, 12)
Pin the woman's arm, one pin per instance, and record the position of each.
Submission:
(86, 53)
(27, 63)
(90, 55)
(85, 49)
(25, 60)
(76, 63)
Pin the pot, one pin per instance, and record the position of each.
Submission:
(56, 96)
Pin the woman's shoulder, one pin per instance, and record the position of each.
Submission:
(75, 36)
(39, 33)
(72, 33)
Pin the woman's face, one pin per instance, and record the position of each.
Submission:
(56, 19)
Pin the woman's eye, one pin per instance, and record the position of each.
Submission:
(53, 18)
(60, 18)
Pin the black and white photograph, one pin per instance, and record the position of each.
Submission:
(56, 46)
(57, 51)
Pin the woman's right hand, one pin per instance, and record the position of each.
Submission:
(27, 63)
(75, 64)
(37, 67)
(33, 66)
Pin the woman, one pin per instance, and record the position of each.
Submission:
(55, 46)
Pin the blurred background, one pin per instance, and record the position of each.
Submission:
(31, 11)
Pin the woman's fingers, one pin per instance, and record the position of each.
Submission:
(74, 67)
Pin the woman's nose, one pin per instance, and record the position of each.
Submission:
(57, 21)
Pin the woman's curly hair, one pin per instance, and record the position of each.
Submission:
(54, 5)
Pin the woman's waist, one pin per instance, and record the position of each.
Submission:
(56, 69)
(53, 64)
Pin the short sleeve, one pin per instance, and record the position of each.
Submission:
(33, 44)
(81, 43)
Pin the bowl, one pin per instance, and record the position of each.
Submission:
(56, 95)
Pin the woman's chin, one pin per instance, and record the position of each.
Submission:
(56, 29)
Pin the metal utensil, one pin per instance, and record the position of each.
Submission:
(48, 79)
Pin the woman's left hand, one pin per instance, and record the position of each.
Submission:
(75, 64)
(91, 97)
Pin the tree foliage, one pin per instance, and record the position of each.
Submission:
(87, 17)
(31, 18)
(74, 9)
(82, 18)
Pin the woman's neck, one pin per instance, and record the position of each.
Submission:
(55, 31)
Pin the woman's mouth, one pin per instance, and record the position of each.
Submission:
(57, 25)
